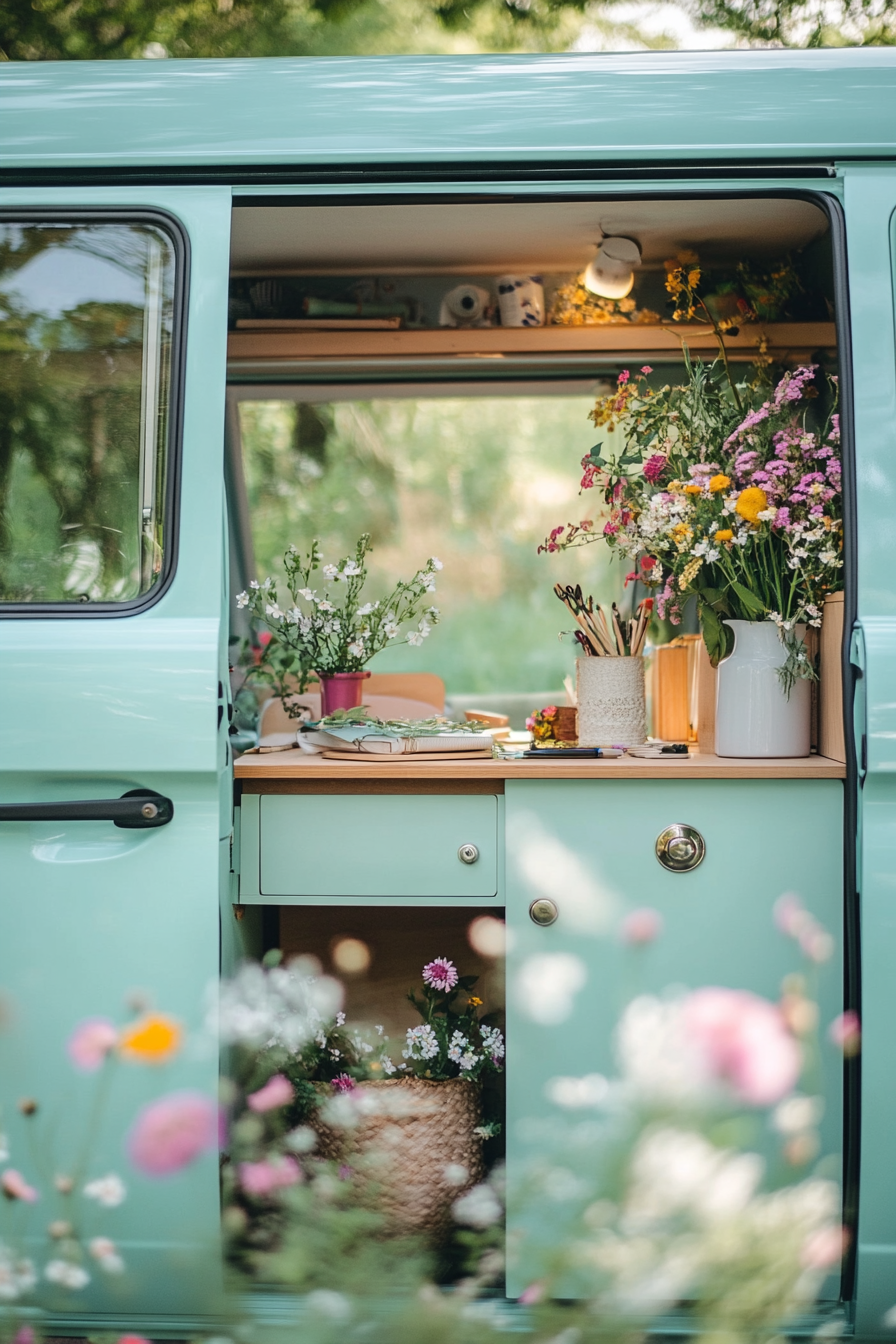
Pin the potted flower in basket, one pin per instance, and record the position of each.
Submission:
(729, 493)
(409, 1130)
(327, 630)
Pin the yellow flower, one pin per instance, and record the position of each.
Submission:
(474, 1002)
(152, 1039)
(674, 485)
(693, 279)
(750, 503)
(681, 535)
(689, 572)
(718, 483)
(692, 488)
(724, 534)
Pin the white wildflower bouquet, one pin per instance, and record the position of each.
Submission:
(327, 628)
(452, 1042)
(728, 492)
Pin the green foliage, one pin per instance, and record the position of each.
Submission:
(473, 480)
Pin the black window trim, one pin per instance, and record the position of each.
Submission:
(174, 230)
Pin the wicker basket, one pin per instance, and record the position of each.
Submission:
(400, 1152)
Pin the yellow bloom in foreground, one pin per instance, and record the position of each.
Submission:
(692, 489)
(689, 572)
(750, 503)
(152, 1039)
(724, 534)
(476, 1003)
(719, 482)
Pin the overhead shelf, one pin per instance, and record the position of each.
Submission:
(794, 340)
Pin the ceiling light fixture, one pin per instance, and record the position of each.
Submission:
(612, 272)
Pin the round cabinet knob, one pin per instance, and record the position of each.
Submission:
(149, 811)
(680, 848)
(543, 912)
(468, 853)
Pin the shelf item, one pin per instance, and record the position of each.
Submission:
(798, 340)
(831, 737)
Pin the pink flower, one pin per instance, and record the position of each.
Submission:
(647, 368)
(654, 468)
(534, 1293)
(623, 377)
(790, 915)
(133, 1339)
(277, 1091)
(745, 1043)
(265, 1178)
(15, 1186)
(440, 974)
(172, 1132)
(641, 927)
(343, 1083)
(846, 1032)
(91, 1042)
(824, 1247)
(24, 1335)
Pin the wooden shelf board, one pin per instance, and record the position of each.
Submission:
(255, 771)
(611, 338)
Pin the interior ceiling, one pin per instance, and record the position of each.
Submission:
(525, 236)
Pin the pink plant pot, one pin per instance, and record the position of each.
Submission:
(340, 690)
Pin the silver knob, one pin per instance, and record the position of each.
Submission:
(543, 912)
(149, 811)
(468, 853)
(680, 848)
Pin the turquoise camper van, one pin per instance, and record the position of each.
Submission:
(247, 303)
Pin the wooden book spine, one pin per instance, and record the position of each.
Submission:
(831, 736)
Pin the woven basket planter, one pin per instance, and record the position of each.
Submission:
(400, 1153)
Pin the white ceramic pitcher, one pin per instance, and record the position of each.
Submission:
(754, 717)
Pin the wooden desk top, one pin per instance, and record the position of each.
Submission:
(295, 771)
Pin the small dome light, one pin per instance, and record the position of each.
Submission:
(612, 272)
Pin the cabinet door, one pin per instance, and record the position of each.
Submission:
(590, 847)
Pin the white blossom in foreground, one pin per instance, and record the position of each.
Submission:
(284, 1005)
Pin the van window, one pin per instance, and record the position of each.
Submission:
(86, 318)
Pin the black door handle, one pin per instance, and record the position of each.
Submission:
(138, 809)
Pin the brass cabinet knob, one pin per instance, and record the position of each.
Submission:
(543, 912)
(468, 853)
(680, 848)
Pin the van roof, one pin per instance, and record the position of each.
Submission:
(578, 112)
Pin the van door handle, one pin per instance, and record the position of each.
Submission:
(138, 809)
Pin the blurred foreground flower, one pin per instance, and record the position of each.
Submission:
(712, 1038)
(15, 1186)
(283, 1005)
(172, 1132)
(91, 1042)
(152, 1039)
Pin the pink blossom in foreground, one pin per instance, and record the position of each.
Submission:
(824, 1248)
(15, 1186)
(440, 974)
(642, 926)
(744, 1042)
(172, 1132)
(846, 1032)
(24, 1335)
(343, 1082)
(266, 1178)
(534, 1293)
(277, 1091)
(91, 1042)
(133, 1339)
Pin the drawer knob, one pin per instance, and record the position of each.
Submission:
(468, 854)
(680, 848)
(543, 912)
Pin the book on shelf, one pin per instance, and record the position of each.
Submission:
(318, 323)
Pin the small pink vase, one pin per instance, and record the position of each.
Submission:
(340, 690)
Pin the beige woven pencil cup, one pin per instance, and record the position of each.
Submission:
(612, 707)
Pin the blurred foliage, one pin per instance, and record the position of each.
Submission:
(470, 480)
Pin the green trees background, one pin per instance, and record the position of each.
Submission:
(34, 30)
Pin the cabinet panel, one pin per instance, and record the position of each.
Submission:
(590, 847)
(377, 845)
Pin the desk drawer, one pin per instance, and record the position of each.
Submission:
(377, 845)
